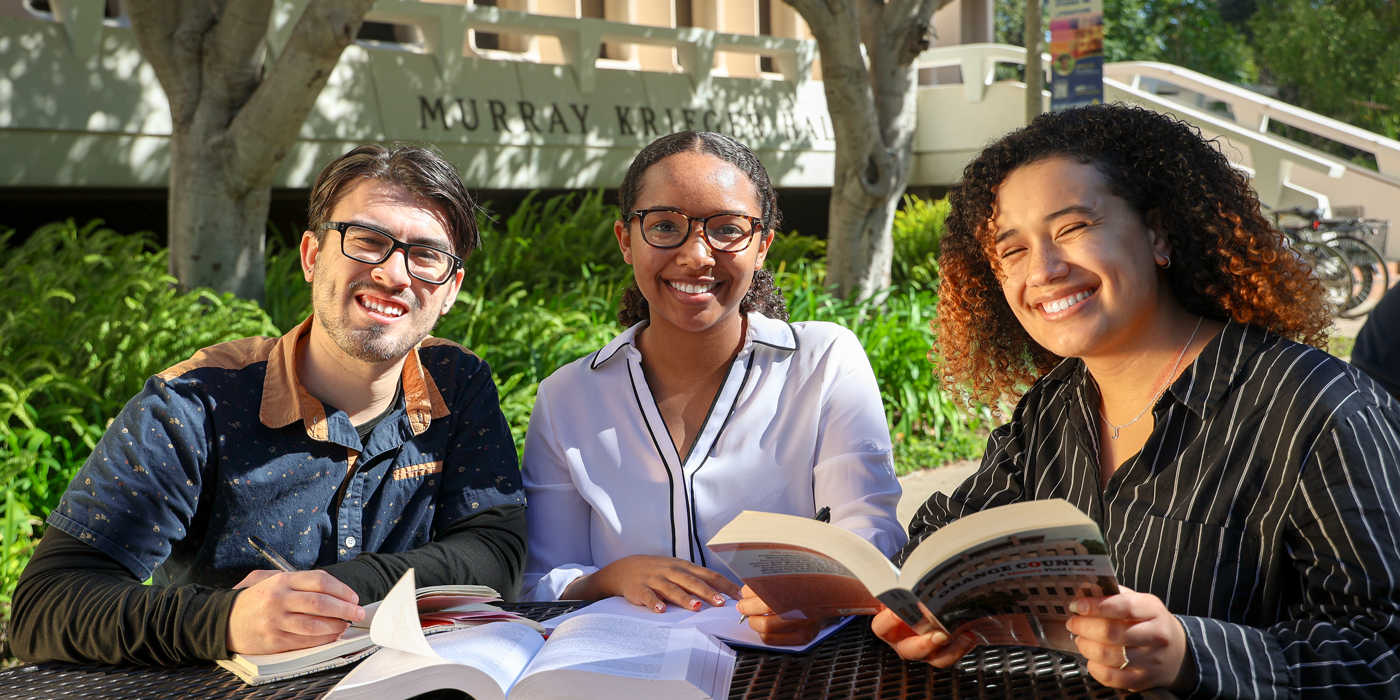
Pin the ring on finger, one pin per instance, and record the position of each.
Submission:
(1125, 659)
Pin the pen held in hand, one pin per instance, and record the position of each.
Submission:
(275, 559)
(267, 553)
(823, 515)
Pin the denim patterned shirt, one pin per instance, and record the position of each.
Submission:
(229, 444)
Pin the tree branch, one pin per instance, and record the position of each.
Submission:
(238, 43)
(171, 36)
(268, 124)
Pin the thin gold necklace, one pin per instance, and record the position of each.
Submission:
(1154, 400)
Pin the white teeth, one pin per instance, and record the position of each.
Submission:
(693, 288)
(1061, 304)
(385, 309)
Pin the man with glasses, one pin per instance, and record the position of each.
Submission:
(355, 447)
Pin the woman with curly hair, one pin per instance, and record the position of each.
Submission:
(1110, 268)
(709, 404)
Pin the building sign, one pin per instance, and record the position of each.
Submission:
(1076, 53)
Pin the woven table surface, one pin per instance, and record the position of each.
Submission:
(851, 663)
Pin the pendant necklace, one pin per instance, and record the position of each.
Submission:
(1154, 400)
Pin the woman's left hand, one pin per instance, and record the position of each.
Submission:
(1136, 628)
(774, 630)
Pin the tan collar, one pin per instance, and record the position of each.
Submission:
(285, 400)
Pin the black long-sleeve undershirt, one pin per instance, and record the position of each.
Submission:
(74, 603)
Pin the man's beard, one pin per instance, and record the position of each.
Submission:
(372, 344)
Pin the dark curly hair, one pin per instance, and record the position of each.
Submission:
(1230, 262)
(764, 296)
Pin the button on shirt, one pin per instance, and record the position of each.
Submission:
(229, 444)
(796, 425)
(1262, 510)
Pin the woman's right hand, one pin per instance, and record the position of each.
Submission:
(933, 647)
(653, 581)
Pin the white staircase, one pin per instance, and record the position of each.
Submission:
(956, 120)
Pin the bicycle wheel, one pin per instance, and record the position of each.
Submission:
(1332, 270)
(1371, 277)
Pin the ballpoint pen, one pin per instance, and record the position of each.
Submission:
(270, 555)
(276, 559)
(823, 515)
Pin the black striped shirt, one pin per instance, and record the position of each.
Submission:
(1262, 510)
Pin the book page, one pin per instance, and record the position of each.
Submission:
(617, 646)
(617, 605)
(797, 582)
(396, 624)
(501, 650)
(1018, 589)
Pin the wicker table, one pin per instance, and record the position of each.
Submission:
(852, 663)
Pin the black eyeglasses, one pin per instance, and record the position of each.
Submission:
(668, 228)
(367, 245)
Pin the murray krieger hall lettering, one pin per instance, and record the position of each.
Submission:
(523, 116)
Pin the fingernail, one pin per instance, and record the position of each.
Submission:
(660, 608)
(1081, 607)
(695, 604)
(719, 600)
(1067, 625)
(938, 638)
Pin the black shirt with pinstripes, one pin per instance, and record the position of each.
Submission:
(1262, 510)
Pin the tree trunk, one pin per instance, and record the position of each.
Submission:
(873, 116)
(234, 120)
(216, 227)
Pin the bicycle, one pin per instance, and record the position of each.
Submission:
(1349, 266)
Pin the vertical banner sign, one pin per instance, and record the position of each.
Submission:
(1076, 53)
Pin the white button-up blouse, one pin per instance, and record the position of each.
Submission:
(797, 425)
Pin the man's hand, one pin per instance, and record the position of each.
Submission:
(933, 647)
(651, 581)
(774, 630)
(1138, 628)
(278, 611)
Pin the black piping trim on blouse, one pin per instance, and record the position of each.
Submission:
(598, 358)
(695, 527)
(670, 480)
(795, 342)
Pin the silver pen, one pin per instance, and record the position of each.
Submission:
(270, 555)
(275, 559)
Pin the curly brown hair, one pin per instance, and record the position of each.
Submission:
(763, 296)
(1230, 262)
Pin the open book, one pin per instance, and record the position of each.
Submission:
(591, 656)
(1006, 575)
(440, 609)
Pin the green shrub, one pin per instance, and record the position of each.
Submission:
(918, 227)
(88, 315)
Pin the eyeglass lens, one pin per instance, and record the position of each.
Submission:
(667, 229)
(370, 246)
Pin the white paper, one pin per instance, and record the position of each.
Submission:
(501, 650)
(617, 605)
(618, 646)
(721, 621)
(396, 623)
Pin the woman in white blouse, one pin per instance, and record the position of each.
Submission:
(709, 404)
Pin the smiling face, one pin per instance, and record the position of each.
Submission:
(1078, 266)
(377, 313)
(692, 287)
